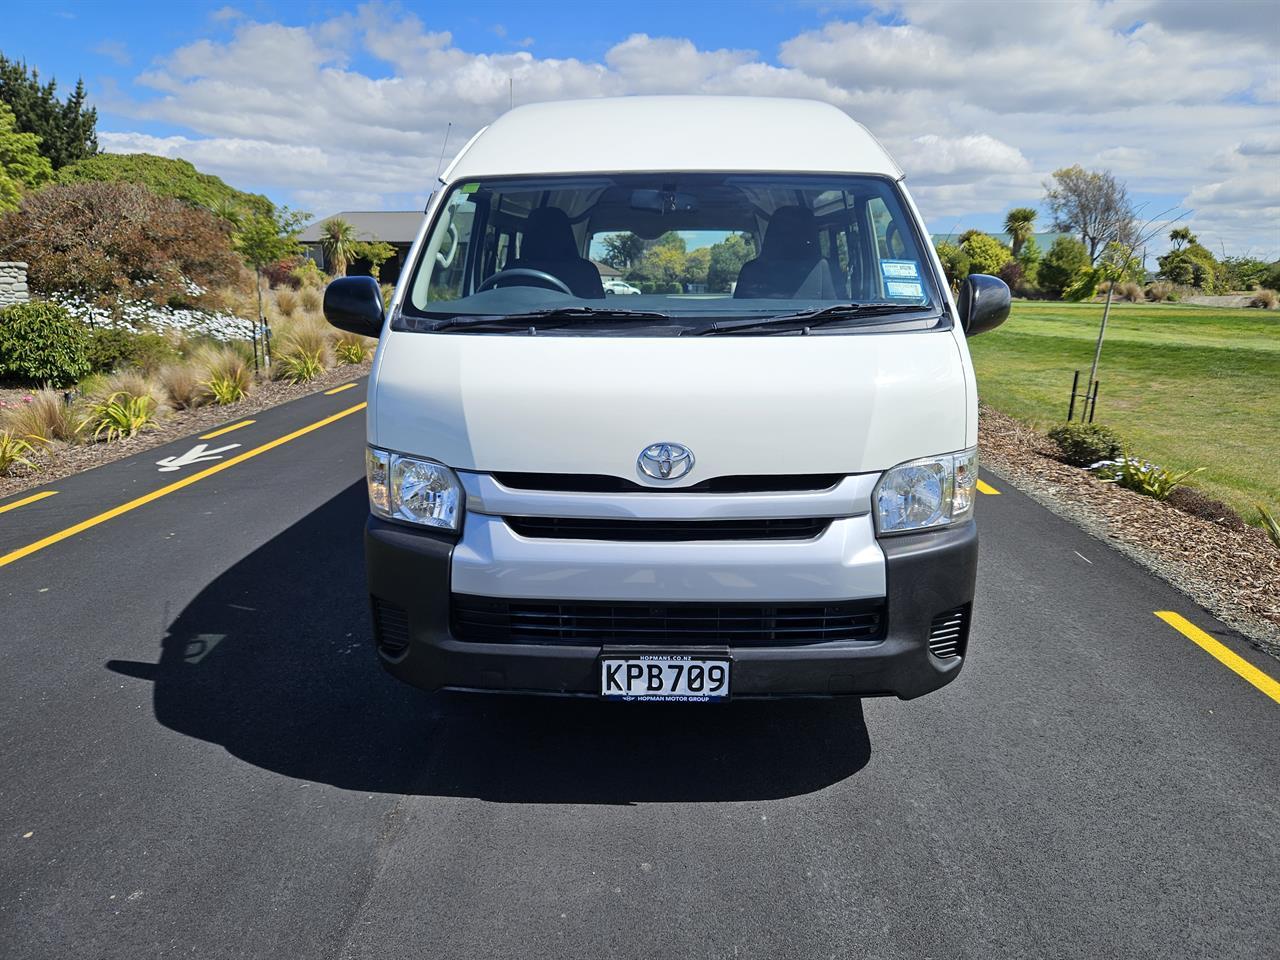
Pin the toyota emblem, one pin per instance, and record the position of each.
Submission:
(666, 461)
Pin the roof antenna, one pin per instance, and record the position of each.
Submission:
(440, 162)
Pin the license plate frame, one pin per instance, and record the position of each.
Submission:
(620, 682)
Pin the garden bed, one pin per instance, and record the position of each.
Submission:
(1234, 573)
(63, 459)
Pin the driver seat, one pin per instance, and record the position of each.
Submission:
(547, 244)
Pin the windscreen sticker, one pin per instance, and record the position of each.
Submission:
(900, 269)
(473, 187)
(904, 288)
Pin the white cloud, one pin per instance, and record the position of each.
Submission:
(1178, 99)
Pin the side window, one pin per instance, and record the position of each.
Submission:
(898, 271)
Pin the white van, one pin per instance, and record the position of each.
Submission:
(762, 489)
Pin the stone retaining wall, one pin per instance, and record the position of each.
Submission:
(13, 282)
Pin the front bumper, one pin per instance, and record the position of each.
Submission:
(927, 574)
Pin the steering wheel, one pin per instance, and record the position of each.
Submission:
(526, 272)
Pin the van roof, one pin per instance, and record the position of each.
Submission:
(634, 134)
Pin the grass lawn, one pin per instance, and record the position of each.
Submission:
(1185, 386)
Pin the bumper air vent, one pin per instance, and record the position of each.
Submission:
(579, 622)
(653, 531)
(949, 633)
(390, 627)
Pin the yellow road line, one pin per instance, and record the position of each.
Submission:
(984, 487)
(31, 499)
(234, 426)
(1227, 658)
(345, 386)
(83, 525)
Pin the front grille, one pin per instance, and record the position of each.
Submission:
(577, 528)
(598, 483)
(390, 627)
(493, 620)
(949, 633)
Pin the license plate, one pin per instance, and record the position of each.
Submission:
(664, 677)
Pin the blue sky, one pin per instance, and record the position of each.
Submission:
(328, 106)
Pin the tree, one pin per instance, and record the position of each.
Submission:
(955, 263)
(338, 240)
(1065, 259)
(986, 253)
(1029, 259)
(1192, 266)
(22, 167)
(262, 240)
(1094, 205)
(622, 250)
(725, 260)
(376, 252)
(1180, 236)
(170, 178)
(1019, 224)
(98, 240)
(67, 130)
(697, 265)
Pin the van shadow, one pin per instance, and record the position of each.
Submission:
(273, 660)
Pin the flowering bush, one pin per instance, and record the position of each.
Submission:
(142, 316)
(1140, 476)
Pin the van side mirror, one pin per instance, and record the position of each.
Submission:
(983, 303)
(354, 304)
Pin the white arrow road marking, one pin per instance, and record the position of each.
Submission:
(197, 454)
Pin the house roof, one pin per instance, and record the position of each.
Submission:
(622, 134)
(390, 226)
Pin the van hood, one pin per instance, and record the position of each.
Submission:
(750, 405)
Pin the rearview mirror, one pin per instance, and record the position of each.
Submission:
(354, 304)
(983, 303)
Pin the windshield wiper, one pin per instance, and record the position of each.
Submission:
(554, 316)
(801, 321)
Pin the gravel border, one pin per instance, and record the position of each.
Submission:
(1234, 574)
(63, 459)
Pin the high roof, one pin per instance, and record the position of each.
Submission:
(631, 134)
(390, 226)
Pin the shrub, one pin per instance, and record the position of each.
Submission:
(113, 347)
(1266, 299)
(955, 262)
(166, 176)
(1129, 291)
(280, 275)
(1140, 476)
(986, 253)
(181, 385)
(1011, 274)
(105, 239)
(312, 299)
(13, 451)
(48, 416)
(351, 348)
(308, 275)
(286, 302)
(121, 415)
(299, 366)
(1161, 291)
(1058, 269)
(1270, 523)
(1082, 444)
(305, 336)
(226, 374)
(1192, 501)
(41, 343)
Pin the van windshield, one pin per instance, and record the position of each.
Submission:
(671, 250)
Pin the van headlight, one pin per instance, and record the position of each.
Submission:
(926, 493)
(414, 490)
